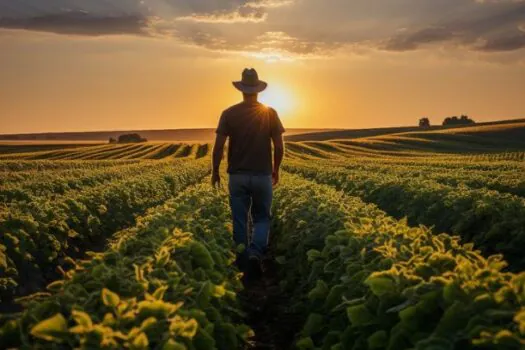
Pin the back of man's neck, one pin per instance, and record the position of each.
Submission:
(250, 99)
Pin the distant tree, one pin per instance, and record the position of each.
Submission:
(463, 120)
(131, 138)
(424, 123)
(112, 140)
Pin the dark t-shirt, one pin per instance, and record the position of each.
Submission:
(250, 127)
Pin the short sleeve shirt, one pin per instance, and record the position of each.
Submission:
(250, 127)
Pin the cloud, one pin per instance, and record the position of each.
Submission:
(270, 3)
(285, 28)
(80, 23)
(269, 46)
(411, 41)
(503, 43)
(494, 31)
(254, 11)
(283, 43)
(244, 14)
(135, 17)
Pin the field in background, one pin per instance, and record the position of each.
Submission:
(496, 137)
(364, 133)
(169, 135)
(410, 240)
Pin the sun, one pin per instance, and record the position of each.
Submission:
(279, 98)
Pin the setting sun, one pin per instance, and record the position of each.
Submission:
(279, 98)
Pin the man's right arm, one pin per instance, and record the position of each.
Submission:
(218, 149)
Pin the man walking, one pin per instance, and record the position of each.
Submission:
(251, 128)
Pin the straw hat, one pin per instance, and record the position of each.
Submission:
(250, 83)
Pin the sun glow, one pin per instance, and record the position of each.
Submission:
(279, 98)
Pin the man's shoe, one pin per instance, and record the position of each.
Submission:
(255, 267)
(241, 262)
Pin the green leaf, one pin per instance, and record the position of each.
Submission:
(320, 291)
(139, 273)
(218, 291)
(109, 298)
(173, 345)
(305, 344)
(313, 324)
(281, 260)
(225, 335)
(82, 319)
(359, 315)
(148, 323)
(435, 343)
(245, 332)
(55, 286)
(51, 329)
(201, 255)
(163, 256)
(141, 342)
(380, 285)
(72, 234)
(313, 254)
(334, 296)
(203, 340)
(183, 328)
(378, 340)
(240, 248)
(159, 292)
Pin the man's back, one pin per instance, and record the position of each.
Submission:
(250, 126)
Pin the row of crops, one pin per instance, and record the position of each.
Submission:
(494, 221)
(42, 229)
(166, 283)
(352, 271)
(363, 280)
(500, 176)
(373, 149)
(342, 149)
(356, 278)
(110, 152)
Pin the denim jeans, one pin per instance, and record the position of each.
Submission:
(251, 194)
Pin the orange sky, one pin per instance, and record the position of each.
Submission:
(69, 82)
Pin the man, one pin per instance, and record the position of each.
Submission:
(251, 128)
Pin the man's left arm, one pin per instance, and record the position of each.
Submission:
(278, 147)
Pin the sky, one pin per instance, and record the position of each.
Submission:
(86, 65)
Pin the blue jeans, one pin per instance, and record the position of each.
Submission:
(251, 194)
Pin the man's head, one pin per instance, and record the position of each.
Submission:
(250, 85)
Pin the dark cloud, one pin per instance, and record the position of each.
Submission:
(300, 28)
(498, 30)
(79, 23)
(411, 41)
(107, 17)
(503, 43)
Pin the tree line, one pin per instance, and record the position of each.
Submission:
(128, 138)
(462, 120)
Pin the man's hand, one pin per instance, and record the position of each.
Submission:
(275, 178)
(215, 179)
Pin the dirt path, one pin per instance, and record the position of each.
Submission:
(268, 311)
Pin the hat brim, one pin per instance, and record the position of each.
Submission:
(250, 89)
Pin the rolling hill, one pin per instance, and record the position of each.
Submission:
(497, 126)
(181, 135)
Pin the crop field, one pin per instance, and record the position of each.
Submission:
(390, 242)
